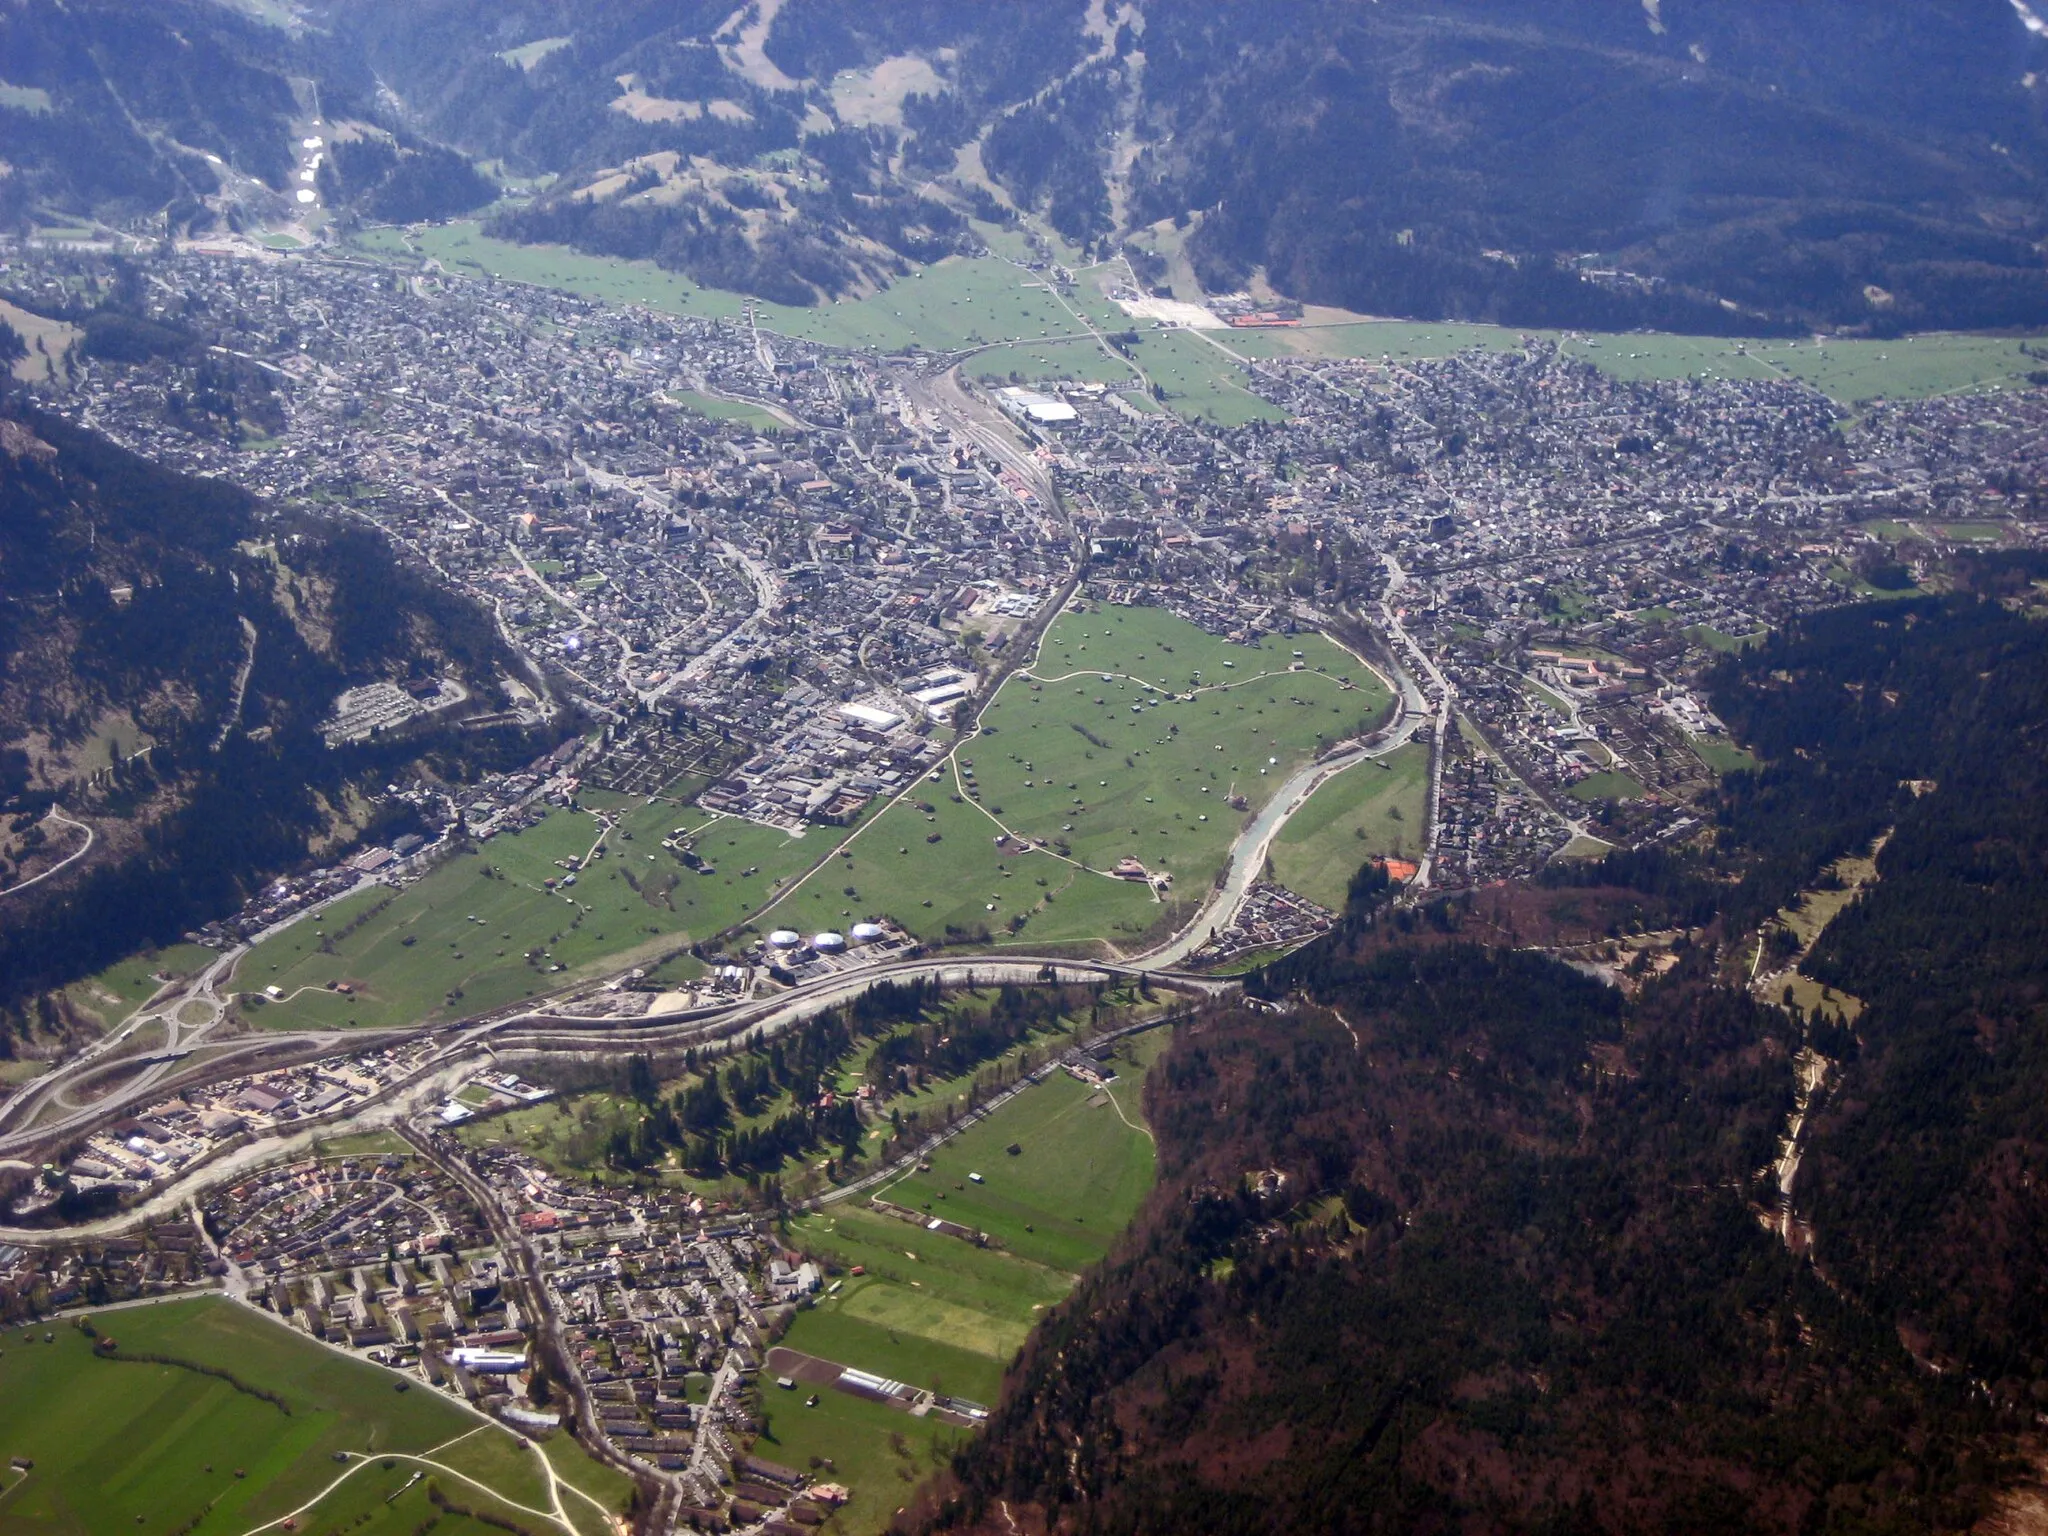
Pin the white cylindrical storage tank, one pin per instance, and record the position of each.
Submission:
(828, 943)
(866, 933)
(784, 938)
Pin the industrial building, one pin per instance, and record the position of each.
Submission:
(1040, 410)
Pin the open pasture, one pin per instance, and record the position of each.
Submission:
(880, 1453)
(1201, 382)
(1379, 807)
(116, 1439)
(473, 922)
(936, 1310)
(1081, 1170)
(1127, 737)
(1850, 371)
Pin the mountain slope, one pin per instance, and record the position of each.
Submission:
(1470, 1242)
(167, 656)
(188, 113)
(1868, 165)
(1707, 167)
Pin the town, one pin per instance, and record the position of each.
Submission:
(765, 586)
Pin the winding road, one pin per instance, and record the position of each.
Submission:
(62, 864)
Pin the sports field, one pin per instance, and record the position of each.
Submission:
(1099, 750)
(718, 409)
(1379, 807)
(936, 1310)
(121, 1444)
(474, 922)
(1608, 785)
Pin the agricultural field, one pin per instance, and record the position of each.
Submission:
(932, 1309)
(1100, 770)
(1199, 381)
(124, 1444)
(1379, 807)
(473, 922)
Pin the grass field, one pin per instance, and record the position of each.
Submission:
(1201, 382)
(727, 410)
(114, 1440)
(1850, 371)
(126, 985)
(973, 301)
(1105, 769)
(1081, 361)
(483, 963)
(572, 1133)
(1714, 640)
(1379, 807)
(1075, 1184)
(1973, 533)
(938, 1311)
(1401, 340)
(879, 1453)
(1610, 785)
(1722, 755)
(962, 301)
(53, 337)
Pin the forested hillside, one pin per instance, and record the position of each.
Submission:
(1685, 165)
(1724, 166)
(1466, 1240)
(167, 655)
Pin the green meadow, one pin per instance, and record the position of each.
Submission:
(1379, 807)
(939, 1311)
(1127, 736)
(483, 930)
(124, 1444)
